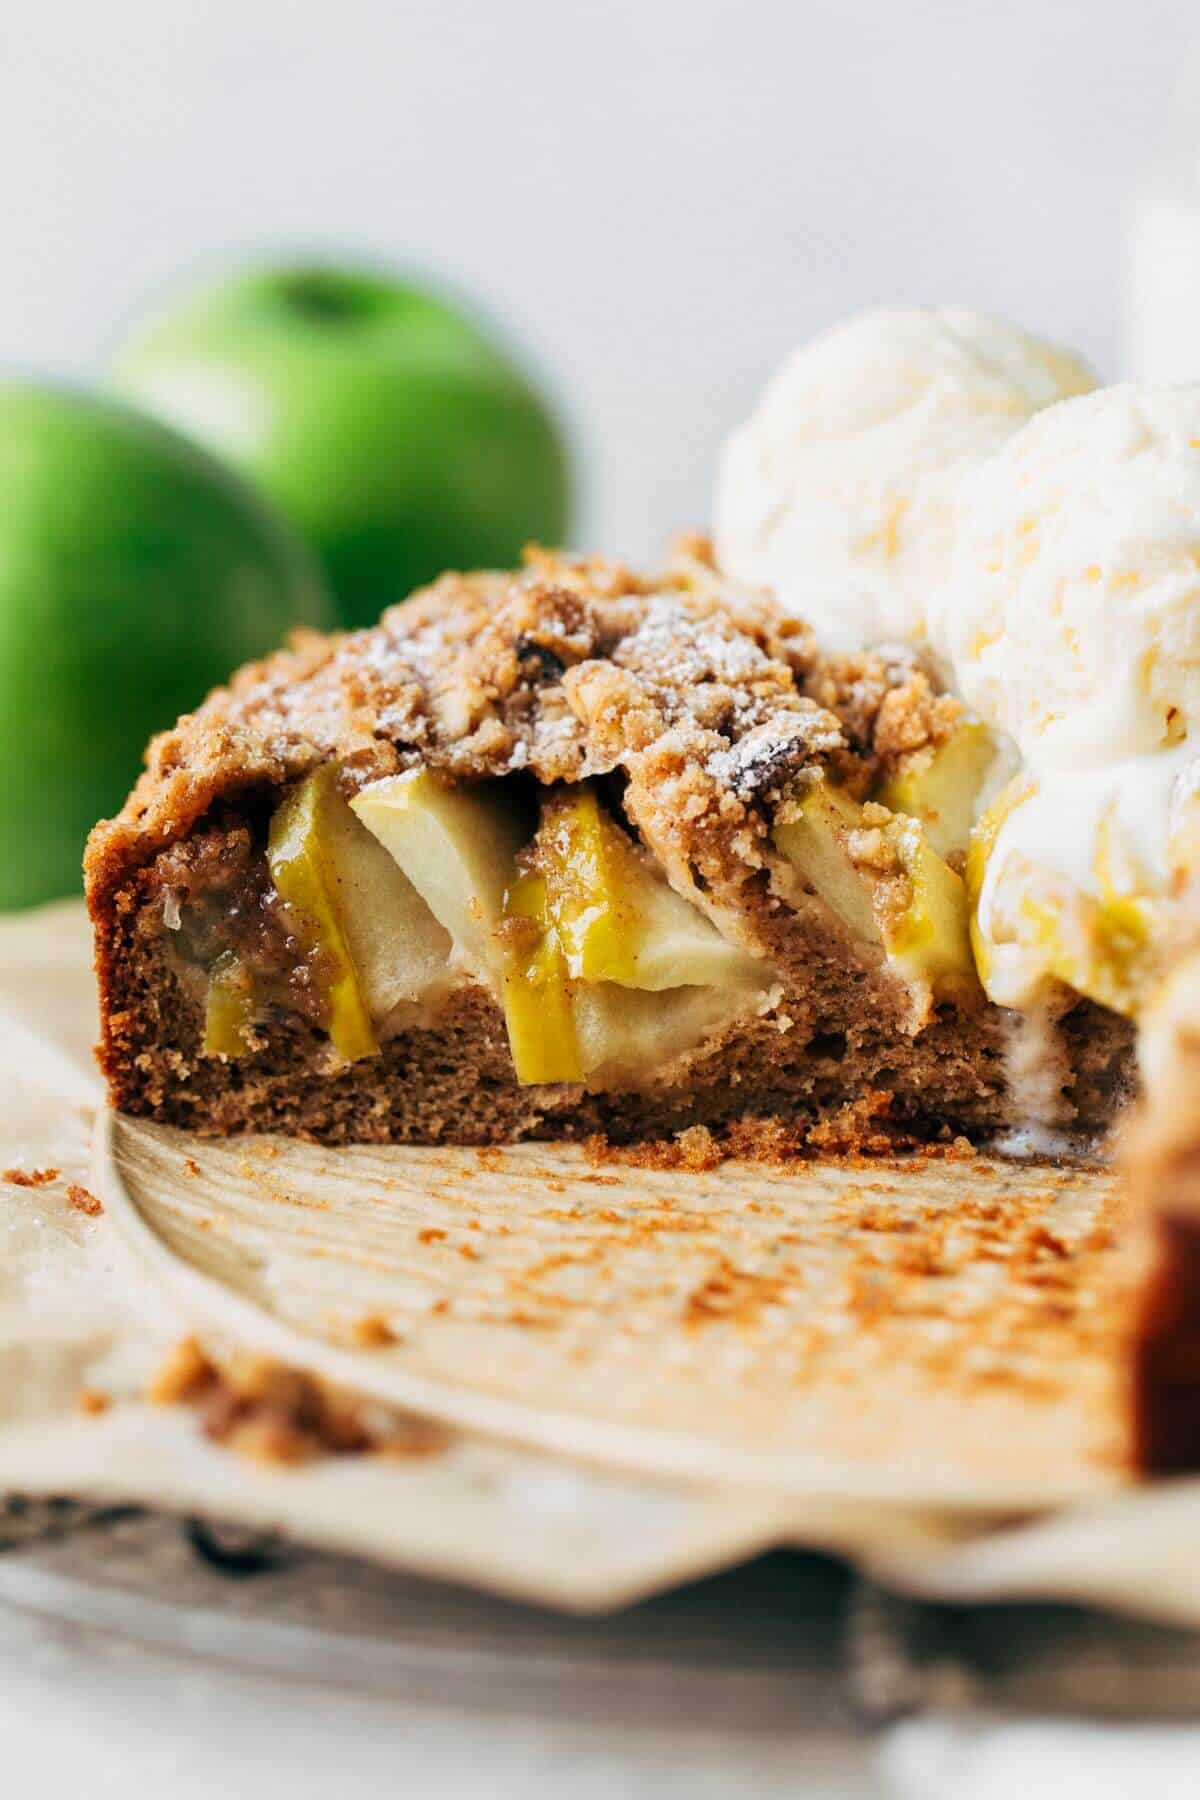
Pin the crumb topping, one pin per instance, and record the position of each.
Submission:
(708, 699)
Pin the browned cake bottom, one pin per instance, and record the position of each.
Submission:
(847, 1066)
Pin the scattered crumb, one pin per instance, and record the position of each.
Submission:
(736, 1295)
(696, 1149)
(372, 1332)
(1038, 1238)
(431, 1234)
(418, 1439)
(192, 1166)
(27, 1178)
(186, 1372)
(92, 1402)
(858, 1129)
(274, 1414)
(84, 1201)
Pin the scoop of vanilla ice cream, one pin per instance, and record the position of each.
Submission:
(1072, 614)
(839, 492)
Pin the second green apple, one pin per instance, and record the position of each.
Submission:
(395, 432)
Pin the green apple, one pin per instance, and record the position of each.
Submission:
(135, 573)
(397, 435)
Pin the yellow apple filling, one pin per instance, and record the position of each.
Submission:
(1014, 922)
(230, 1007)
(536, 989)
(304, 877)
(940, 785)
(371, 949)
(584, 857)
(877, 871)
(568, 922)
(607, 970)
(604, 973)
(457, 845)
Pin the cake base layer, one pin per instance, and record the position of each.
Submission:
(834, 1062)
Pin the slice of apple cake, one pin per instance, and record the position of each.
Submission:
(561, 853)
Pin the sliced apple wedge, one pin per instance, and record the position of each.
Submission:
(815, 836)
(229, 1007)
(587, 870)
(456, 845)
(930, 939)
(608, 973)
(618, 919)
(372, 942)
(627, 1036)
(537, 989)
(303, 874)
(401, 953)
(941, 786)
(826, 835)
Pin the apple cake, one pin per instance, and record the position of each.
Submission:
(567, 852)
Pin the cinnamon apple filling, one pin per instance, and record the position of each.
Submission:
(416, 887)
(413, 887)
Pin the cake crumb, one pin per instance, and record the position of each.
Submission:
(186, 1372)
(269, 1412)
(29, 1178)
(372, 1332)
(92, 1402)
(735, 1295)
(84, 1201)
(420, 1438)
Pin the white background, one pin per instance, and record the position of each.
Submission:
(659, 195)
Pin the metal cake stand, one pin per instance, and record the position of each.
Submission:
(749, 1651)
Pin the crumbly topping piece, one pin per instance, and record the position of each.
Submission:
(708, 699)
(82, 1200)
(886, 701)
(29, 1178)
(272, 1413)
